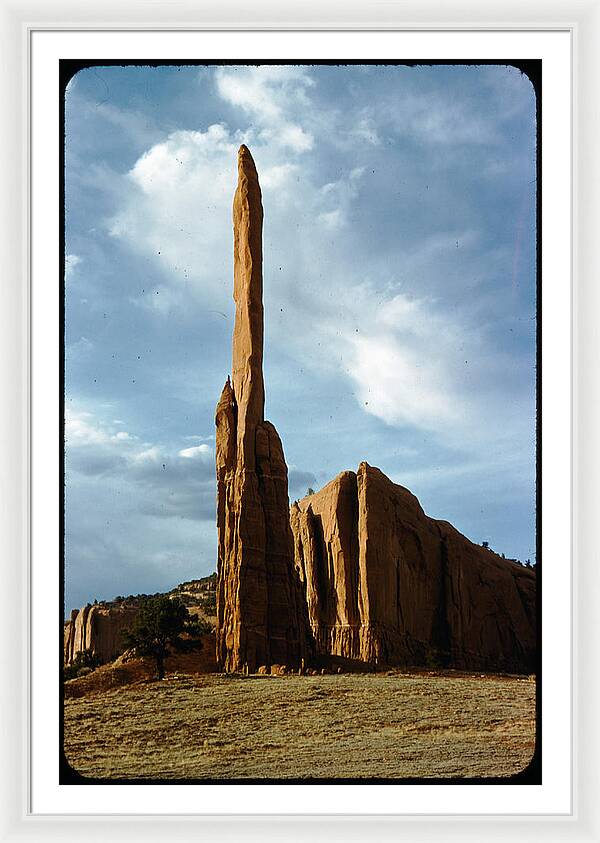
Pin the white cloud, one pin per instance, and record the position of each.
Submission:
(197, 452)
(177, 207)
(169, 163)
(178, 212)
(293, 136)
(331, 219)
(366, 130)
(185, 221)
(84, 429)
(454, 117)
(397, 387)
(276, 176)
(407, 364)
(80, 430)
(78, 348)
(71, 263)
(86, 433)
(442, 121)
(148, 455)
(270, 95)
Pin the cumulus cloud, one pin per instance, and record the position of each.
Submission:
(366, 130)
(202, 452)
(167, 482)
(174, 482)
(80, 429)
(268, 94)
(148, 455)
(386, 275)
(147, 511)
(177, 211)
(398, 387)
(405, 363)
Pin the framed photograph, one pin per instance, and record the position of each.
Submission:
(347, 573)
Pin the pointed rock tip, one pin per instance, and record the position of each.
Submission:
(227, 391)
(245, 160)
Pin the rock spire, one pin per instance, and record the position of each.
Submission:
(262, 618)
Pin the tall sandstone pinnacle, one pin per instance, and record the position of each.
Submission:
(262, 618)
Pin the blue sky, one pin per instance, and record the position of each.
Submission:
(399, 288)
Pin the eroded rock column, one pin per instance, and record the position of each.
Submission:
(261, 611)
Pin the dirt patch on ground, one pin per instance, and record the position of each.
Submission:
(397, 725)
(126, 670)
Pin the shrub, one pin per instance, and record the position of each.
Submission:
(83, 659)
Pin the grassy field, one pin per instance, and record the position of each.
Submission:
(395, 725)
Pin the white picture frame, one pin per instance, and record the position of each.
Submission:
(582, 20)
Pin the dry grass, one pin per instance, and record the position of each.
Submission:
(347, 726)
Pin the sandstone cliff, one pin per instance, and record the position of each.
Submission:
(261, 615)
(386, 584)
(97, 628)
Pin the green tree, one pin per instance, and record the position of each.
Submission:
(157, 629)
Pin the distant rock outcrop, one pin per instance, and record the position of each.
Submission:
(386, 584)
(99, 627)
(261, 615)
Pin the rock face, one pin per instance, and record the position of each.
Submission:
(97, 628)
(386, 584)
(261, 613)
